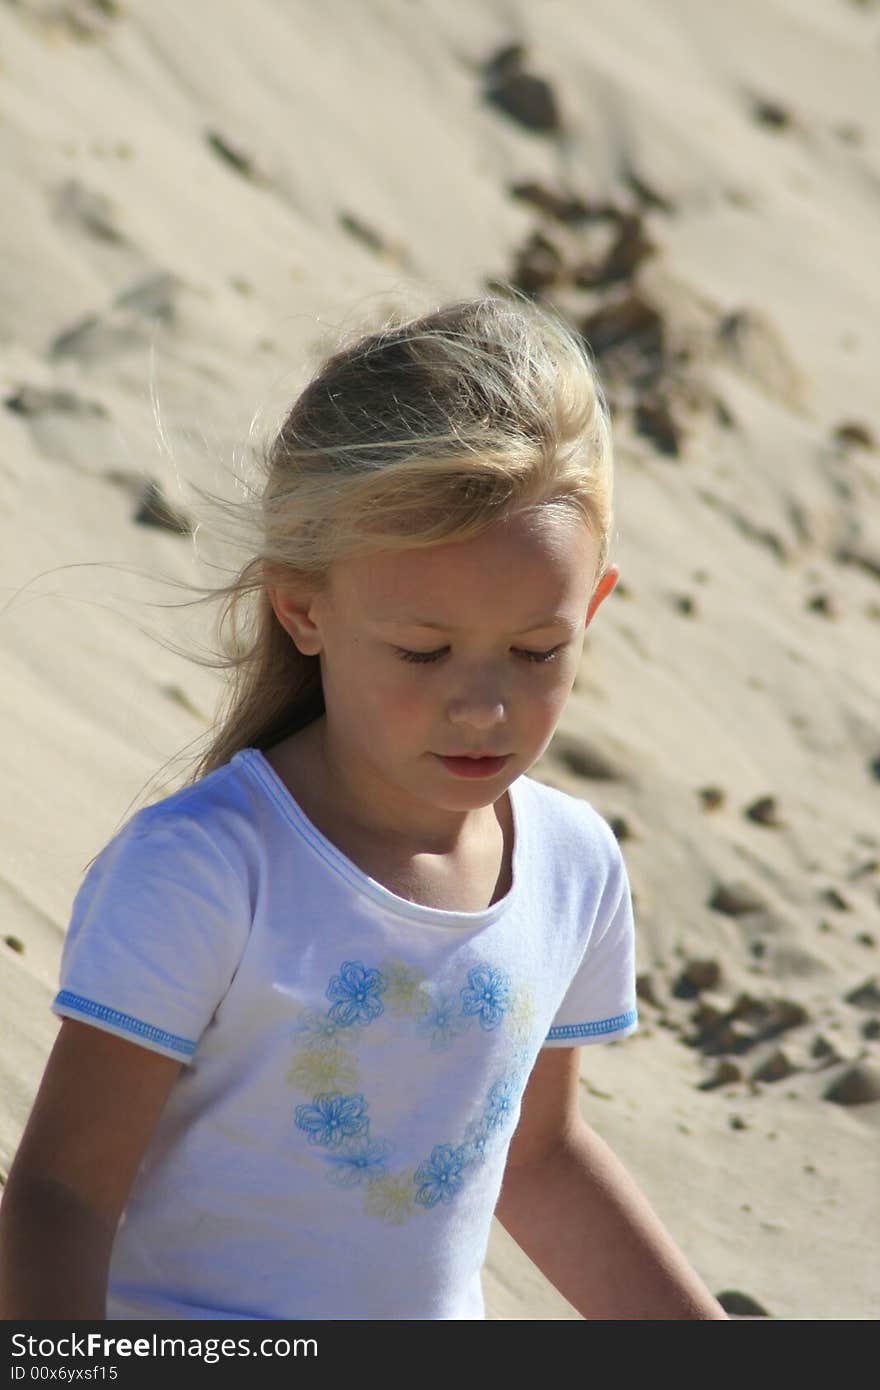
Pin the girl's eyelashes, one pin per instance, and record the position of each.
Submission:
(541, 657)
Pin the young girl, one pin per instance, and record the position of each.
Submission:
(322, 1007)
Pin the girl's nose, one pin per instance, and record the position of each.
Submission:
(478, 694)
(482, 712)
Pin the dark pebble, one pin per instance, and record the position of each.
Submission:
(824, 604)
(562, 206)
(765, 811)
(645, 990)
(776, 1067)
(522, 95)
(621, 827)
(854, 432)
(859, 1085)
(654, 421)
(724, 1074)
(742, 1305)
(538, 264)
(736, 899)
(865, 996)
(696, 975)
(771, 113)
(584, 761)
(231, 154)
(36, 400)
(156, 510)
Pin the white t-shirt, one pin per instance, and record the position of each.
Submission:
(335, 1144)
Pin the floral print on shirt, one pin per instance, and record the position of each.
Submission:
(337, 1119)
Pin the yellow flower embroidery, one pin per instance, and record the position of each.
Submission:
(390, 1198)
(404, 993)
(316, 1029)
(326, 1068)
(521, 1016)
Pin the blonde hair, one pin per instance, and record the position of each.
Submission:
(424, 432)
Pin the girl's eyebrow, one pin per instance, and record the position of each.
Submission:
(558, 620)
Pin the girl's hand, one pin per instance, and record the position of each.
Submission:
(96, 1109)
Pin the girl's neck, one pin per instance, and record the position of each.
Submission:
(346, 814)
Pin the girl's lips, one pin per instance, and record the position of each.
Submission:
(473, 767)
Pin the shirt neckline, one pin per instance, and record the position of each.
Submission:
(256, 763)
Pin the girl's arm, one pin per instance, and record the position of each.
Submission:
(97, 1106)
(575, 1211)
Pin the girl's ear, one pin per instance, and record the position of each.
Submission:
(602, 590)
(292, 607)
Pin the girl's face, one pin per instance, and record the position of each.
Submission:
(470, 647)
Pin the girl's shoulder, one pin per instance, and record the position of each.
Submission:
(221, 803)
(163, 916)
(572, 821)
(207, 829)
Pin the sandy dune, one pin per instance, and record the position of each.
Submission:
(195, 197)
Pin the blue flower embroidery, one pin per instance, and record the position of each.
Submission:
(340, 1123)
(476, 1139)
(439, 1177)
(315, 1028)
(488, 996)
(333, 1118)
(355, 991)
(502, 1102)
(443, 1024)
(358, 1160)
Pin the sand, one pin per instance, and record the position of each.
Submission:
(195, 198)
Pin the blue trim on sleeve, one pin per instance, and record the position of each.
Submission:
(66, 1000)
(591, 1030)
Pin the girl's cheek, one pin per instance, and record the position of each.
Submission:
(401, 693)
(555, 700)
(414, 700)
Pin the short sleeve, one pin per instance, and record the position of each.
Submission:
(156, 933)
(600, 1003)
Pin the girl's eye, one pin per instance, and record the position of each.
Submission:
(541, 657)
